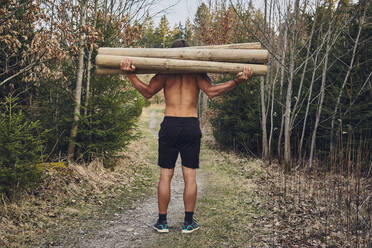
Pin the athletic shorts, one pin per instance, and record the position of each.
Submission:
(179, 135)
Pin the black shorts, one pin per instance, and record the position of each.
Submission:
(179, 135)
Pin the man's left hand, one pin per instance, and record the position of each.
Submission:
(127, 67)
(244, 75)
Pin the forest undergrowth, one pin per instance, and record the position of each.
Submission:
(303, 208)
(314, 210)
(77, 196)
(249, 203)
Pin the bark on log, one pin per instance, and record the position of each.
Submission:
(255, 56)
(155, 65)
(111, 71)
(251, 45)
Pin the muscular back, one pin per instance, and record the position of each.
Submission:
(181, 92)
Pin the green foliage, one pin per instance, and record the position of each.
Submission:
(19, 151)
(52, 106)
(237, 120)
(111, 120)
(163, 35)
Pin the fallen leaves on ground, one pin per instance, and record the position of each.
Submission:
(311, 210)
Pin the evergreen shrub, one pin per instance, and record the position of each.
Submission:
(109, 126)
(20, 151)
(55, 112)
(236, 123)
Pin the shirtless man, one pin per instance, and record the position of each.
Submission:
(180, 131)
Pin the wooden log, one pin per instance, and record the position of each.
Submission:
(255, 56)
(112, 71)
(156, 65)
(251, 45)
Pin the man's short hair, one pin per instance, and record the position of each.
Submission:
(180, 43)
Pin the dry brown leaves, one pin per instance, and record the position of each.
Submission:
(310, 210)
(67, 193)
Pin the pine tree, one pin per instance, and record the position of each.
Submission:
(164, 31)
(237, 123)
(203, 25)
(20, 150)
(178, 32)
(111, 121)
(189, 32)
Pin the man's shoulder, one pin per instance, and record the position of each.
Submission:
(159, 76)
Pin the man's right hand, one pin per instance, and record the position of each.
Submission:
(127, 67)
(244, 75)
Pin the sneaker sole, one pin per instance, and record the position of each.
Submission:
(190, 231)
(161, 230)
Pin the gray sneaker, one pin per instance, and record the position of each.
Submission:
(190, 227)
(161, 227)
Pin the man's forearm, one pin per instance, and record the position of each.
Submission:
(219, 89)
(139, 85)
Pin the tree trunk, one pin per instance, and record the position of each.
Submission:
(272, 111)
(265, 148)
(282, 69)
(272, 88)
(105, 8)
(287, 114)
(320, 104)
(77, 96)
(89, 67)
(204, 108)
(308, 104)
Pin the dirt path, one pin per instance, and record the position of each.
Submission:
(134, 227)
(242, 202)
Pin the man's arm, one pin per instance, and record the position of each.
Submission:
(147, 90)
(205, 83)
